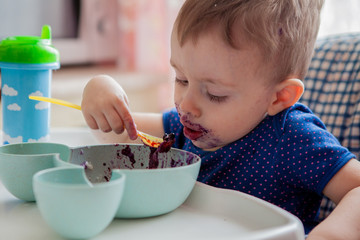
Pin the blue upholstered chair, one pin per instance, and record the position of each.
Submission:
(332, 91)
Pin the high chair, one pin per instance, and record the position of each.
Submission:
(332, 91)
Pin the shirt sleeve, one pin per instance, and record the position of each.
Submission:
(308, 155)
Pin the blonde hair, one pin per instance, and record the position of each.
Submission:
(284, 30)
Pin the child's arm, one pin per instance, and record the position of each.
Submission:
(105, 106)
(344, 221)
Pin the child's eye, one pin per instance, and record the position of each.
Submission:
(217, 99)
(181, 82)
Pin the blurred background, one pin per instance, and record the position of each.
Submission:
(127, 39)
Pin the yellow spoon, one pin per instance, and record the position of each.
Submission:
(145, 138)
(56, 101)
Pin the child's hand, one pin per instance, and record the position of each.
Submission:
(105, 106)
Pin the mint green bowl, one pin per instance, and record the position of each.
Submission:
(156, 183)
(19, 162)
(72, 206)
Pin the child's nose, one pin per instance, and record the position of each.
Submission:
(190, 104)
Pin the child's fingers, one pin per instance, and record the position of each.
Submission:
(130, 126)
(115, 121)
(103, 123)
(127, 120)
(90, 121)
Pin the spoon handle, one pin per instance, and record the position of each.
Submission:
(55, 101)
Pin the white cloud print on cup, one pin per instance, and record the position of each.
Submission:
(13, 107)
(40, 105)
(11, 92)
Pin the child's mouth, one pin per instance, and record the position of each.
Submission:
(192, 134)
(192, 131)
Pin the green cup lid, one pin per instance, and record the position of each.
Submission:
(29, 49)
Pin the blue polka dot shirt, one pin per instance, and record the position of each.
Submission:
(286, 160)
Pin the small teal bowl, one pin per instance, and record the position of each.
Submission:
(156, 183)
(19, 162)
(72, 206)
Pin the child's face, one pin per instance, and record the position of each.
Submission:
(221, 93)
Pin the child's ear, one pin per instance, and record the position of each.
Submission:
(286, 94)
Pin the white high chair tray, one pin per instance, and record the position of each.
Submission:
(208, 213)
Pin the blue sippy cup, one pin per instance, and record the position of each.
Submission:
(26, 64)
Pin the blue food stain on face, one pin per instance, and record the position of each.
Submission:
(208, 136)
